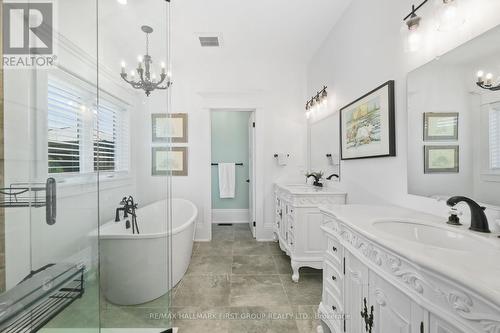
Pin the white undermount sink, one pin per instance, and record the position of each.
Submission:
(433, 235)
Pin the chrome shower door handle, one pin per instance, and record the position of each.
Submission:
(50, 201)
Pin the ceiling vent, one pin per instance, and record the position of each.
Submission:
(209, 41)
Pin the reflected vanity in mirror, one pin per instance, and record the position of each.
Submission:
(454, 123)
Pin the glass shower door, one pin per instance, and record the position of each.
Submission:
(135, 242)
(49, 190)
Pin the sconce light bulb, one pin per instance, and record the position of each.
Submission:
(414, 40)
(451, 16)
(163, 65)
(124, 64)
(489, 76)
(139, 58)
(480, 74)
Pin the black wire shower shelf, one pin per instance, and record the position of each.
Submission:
(23, 195)
(33, 303)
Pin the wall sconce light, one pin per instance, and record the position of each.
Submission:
(486, 82)
(316, 102)
(450, 15)
(412, 23)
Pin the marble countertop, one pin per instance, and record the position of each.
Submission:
(477, 270)
(305, 189)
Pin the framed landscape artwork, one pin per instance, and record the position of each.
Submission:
(367, 125)
(169, 160)
(441, 159)
(170, 127)
(442, 126)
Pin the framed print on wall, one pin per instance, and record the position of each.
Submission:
(442, 126)
(367, 125)
(169, 160)
(441, 159)
(170, 127)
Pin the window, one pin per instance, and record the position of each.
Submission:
(494, 140)
(84, 137)
(111, 130)
(64, 129)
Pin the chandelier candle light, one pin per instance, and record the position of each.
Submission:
(147, 80)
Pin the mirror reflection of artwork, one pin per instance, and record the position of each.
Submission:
(170, 127)
(440, 126)
(367, 125)
(446, 107)
(441, 159)
(170, 160)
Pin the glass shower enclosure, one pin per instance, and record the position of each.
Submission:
(73, 216)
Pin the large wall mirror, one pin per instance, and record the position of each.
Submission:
(454, 125)
(324, 146)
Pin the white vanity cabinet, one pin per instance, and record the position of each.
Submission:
(298, 222)
(404, 297)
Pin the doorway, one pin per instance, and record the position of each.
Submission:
(233, 171)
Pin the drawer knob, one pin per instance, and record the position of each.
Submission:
(334, 249)
(334, 308)
(334, 278)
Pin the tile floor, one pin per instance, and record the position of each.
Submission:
(234, 284)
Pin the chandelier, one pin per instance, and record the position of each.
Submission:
(147, 81)
(489, 83)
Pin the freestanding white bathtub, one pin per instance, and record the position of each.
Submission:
(136, 269)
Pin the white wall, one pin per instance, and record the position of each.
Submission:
(274, 89)
(365, 49)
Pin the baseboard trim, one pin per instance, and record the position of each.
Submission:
(234, 216)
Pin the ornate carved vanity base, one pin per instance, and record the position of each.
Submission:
(298, 223)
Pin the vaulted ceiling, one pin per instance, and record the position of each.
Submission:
(258, 30)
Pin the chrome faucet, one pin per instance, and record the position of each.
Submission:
(479, 221)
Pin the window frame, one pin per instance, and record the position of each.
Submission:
(87, 174)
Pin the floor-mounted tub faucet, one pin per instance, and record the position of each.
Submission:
(479, 221)
(129, 207)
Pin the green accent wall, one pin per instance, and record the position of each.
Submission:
(230, 145)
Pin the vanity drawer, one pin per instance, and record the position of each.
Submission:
(291, 240)
(334, 251)
(333, 279)
(332, 303)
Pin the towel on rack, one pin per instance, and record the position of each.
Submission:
(282, 159)
(227, 180)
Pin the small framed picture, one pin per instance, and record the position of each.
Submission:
(170, 127)
(169, 161)
(440, 126)
(441, 159)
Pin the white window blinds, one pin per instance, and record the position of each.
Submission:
(64, 128)
(494, 135)
(85, 136)
(105, 138)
